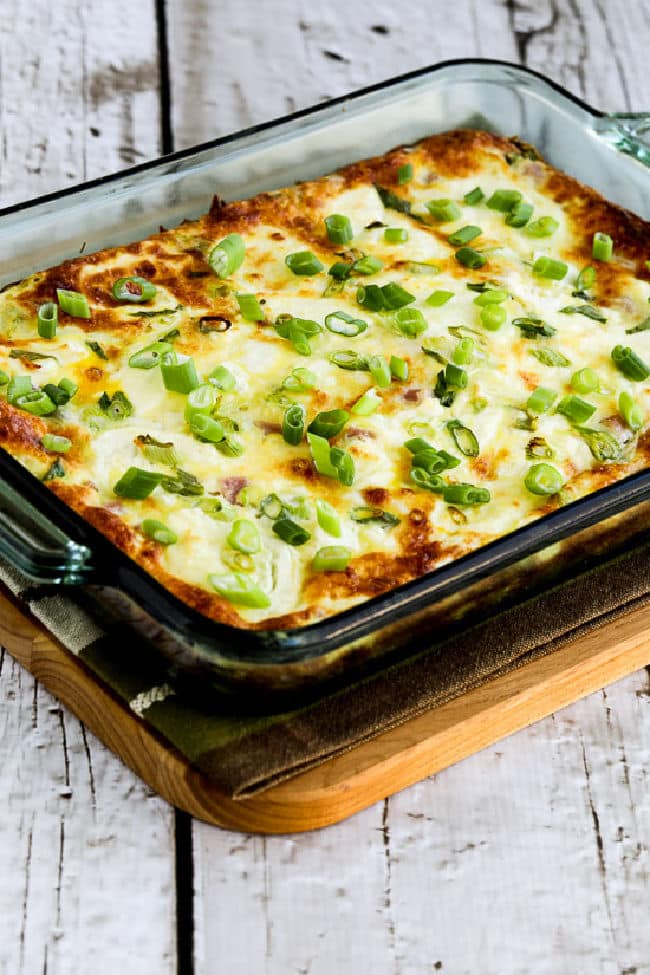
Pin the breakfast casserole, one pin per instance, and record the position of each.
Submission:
(307, 398)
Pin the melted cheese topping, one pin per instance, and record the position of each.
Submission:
(422, 529)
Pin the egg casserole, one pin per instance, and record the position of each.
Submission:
(304, 399)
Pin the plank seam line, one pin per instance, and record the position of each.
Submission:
(166, 131)
(184, 881)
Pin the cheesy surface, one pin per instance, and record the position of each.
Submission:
(443, 430)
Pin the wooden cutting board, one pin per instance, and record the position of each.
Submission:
(356, 779)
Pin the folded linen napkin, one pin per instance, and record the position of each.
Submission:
(246, 753)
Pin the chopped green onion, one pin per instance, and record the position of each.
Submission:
(379, 370)
(537, 448)
(404, 174)
(228, 255)
(98, 350)
(55, 470)
(115, 407)
(366, 404)
(468, 257)
(367, 265)
(178, 374)
(293, 424)
(464, 235)
(329, 423)
(244, 536)
(575, 409)
(60, 394)
(331, 461)
(493, 317)
(68, 386)
(423, 267)
(349, 359)
(331, 558)
(585, 381)
(328, 519)
(340, 270)
(602, 247)
(203, 399)
(363, 514)
(73, 303)
(56, 444)
(48, 317)
(443, 210)
(550, 357)
(159, 532)
(442, 390)
(223, 379)
(339, 228)
(396, 235)
(430, 482)
(438, 298)
(290, 532)
(455, 376)
(137, 483)
(629, 363)
(543, 479)
(395, 296)
(250, 308)
(183, 483)
(370, 296)
(300, 380)
(474, 196)
(298, 331)
(410, 322)
(531, 328)
(544, 227)
(399, 368)
(503, 200)
(240, 590)
(464, 438)
(304, 263)
(602, 444)
(18, 386)
(463, 352)
(157, 451)
(585, 280)
(4, 377)
(630, 411)
(206, 428)
(36, 402)
(643, 326)
(465, 494)
(340, 323)
(491, 296)
(150, 356)
(26, 355)
(133, 289)
(520, 214)
(548, 267)
(587, 310)
(541, 400)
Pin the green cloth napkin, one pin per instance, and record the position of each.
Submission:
(247, 753)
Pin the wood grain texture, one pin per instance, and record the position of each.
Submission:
(529, 857)
(85, 885)
(357, 778)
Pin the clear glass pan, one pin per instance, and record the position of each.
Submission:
(49, 542)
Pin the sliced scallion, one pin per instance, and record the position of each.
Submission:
(73, 303)
(137, 483)
(443, 211)
(240, 590)
(48, 317)
(228, 255)
(543, 479)
(250, 308)
(339, 228)
(331, 558)
(158, 531)
(178, 373)
(304, 263)
(327, 518)
(133, 289)
(602, 247)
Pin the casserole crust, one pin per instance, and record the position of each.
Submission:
(430, 348)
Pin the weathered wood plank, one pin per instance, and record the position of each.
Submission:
(86, 851)
(529, 856)
(79, 86)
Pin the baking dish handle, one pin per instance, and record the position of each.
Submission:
(30, 543)
(629, 132)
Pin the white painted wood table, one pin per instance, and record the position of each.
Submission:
(531, 857)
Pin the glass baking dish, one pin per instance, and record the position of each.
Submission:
(53, 546)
